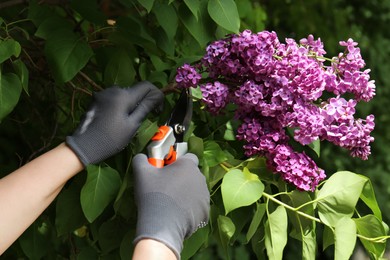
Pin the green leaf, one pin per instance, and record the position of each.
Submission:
(10, 90)
(197, 93)
(139, 33)
(89, 10)
(345, 238)
(195, 146)
(9, 48)
(240, 188)
(99, 190)
(257, 165)
(111, 233)
(327, 237)
(165, 43)
(51, 26)
(225, 14)
(34, 241)
(159, 64)
(229, 134)
(368, 197)
(200, 28)
(194, 6)
(226, 231)
(158, 78)
(256, 220)
(66, 54)
(316, 146)
(22, 71)
(213, 153)
(125, 249)
(167, 18)
(66, 220)
(276, 233)
(38, 13)
(194, 243)
(119, 70)
(215, 175)
(124, 204)
(240, 219)
(309, 245)
(338, 196)
(300, 223)
(244, 8)
(370, 226)
(147, 4)
(258, 243)
(87, 253)
(303, 228)
(145, 132)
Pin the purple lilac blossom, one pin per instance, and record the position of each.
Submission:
(261, 135)
(314, 46)
(342, 129)
(345, 74)
(215, 96)
(307, 121)
(276, 86)
(187, 76)
(296, 168)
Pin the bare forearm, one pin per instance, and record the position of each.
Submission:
(28, 191)
(152, 249)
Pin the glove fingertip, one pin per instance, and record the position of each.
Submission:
(139, 158)
(191, 157)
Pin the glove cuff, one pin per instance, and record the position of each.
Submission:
(161, 219)
(76, 149)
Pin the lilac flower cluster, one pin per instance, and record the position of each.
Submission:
(187, 76)
(276, 86)
(296, 168)
(215, 95)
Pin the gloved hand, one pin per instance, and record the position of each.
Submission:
(173, 201)
(112, 120)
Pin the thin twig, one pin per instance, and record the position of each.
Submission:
(89, 93)
(170, 88)
(268, 196)
(12, 3)
(90, 81)
(45, 145)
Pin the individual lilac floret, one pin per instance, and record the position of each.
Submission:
(215, 96)
(187, 76)
(296, 168)
(315, 46)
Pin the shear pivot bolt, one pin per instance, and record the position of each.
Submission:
(179, 129)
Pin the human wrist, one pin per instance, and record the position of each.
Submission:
(152, 249)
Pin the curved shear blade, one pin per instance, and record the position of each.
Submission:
(181, 115)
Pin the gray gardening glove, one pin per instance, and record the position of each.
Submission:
(112, 120)
(173, 201)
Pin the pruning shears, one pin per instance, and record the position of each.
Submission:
(167, 144)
